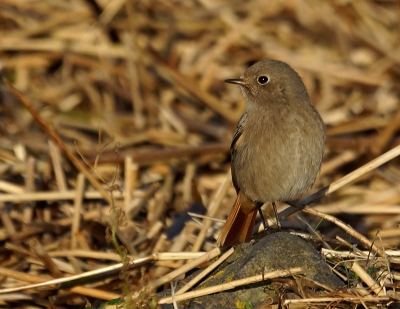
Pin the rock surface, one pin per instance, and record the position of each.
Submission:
(275, 251)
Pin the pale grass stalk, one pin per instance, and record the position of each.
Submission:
(47, 215)
(128, 181)
(166, 264)
(166, 256)
(60, 143)
(131, 50)
(3, 233)
(346, 228)
(138, 202)
(371, 283)
(363, 302)
(199, 224)
(339, 274)
(345, 254)
(169, 116)
(58, 45)
(56, 159)
(362, 291)
(389, 233)
(385, 278)
(27, 212)
(352, 247)
(15, 296)
(232, 285)
(336, 185)
(110, 10)
(336, 162)
(212, 210)
(386, 134)
(387, 156)
(86, 254)
(11, 188)
(83, 242)
(113, 268)
(62, 265)
(76, 218)
(20, 167)
(205, 272)
(192, 214)
(333, 299)
(155, 229)
(80, 186)
(392, 255)
(391, 275)
(159, 244)
(50, 196)
(387, 263)
(45, 259)
(189, 85)
(179, 243)
(361, 209)
(349, 230)
(6, 220)
(192, 264)
(41, 281)
(174, 284)
(190, 173)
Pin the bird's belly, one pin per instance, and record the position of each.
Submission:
(284, 171)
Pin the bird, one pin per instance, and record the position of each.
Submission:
(277, 148)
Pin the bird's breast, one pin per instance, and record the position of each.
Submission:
(277, 157)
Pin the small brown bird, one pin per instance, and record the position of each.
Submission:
(277, 148)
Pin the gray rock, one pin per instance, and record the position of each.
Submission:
(275, 251)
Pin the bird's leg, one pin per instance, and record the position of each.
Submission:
(259, 205)
(278, 223)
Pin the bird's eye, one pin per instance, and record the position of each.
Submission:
(262, 80)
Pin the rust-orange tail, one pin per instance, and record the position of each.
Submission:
(239, 225)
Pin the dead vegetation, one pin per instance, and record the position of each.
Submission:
(131, 95)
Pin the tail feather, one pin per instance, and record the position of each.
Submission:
(239, 225)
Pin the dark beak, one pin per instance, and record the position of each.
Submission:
(237, 81)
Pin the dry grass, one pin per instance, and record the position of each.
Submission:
(149, 76)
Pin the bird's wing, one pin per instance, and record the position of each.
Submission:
(237, 140)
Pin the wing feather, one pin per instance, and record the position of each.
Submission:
(237, 140)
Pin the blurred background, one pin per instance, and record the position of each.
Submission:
(148, 78)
